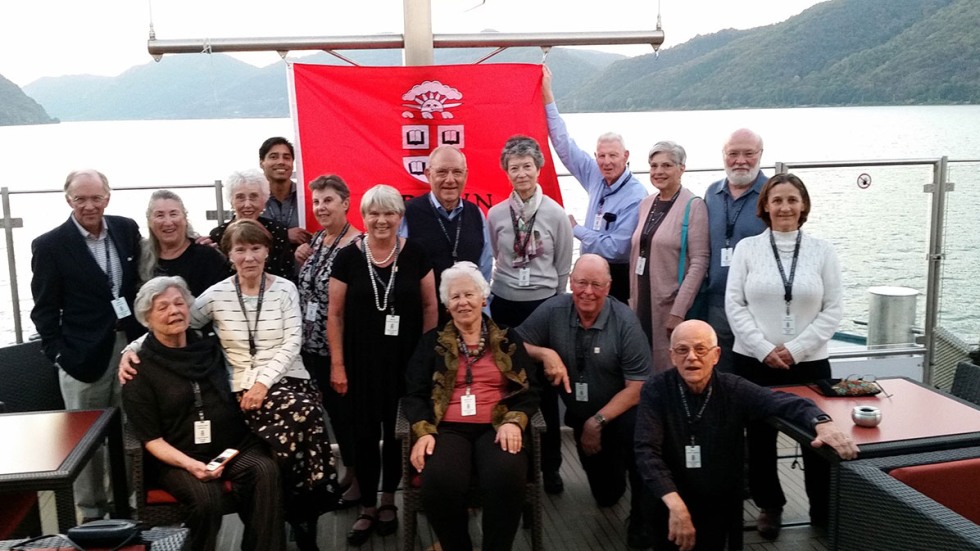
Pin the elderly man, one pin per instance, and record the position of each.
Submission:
(731, 218)
(614, 194)
(448, 227)
(276, 157)
(85, 277)
(689, 440)
(596, 349)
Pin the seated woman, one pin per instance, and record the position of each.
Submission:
(183, 381)
(471, 393)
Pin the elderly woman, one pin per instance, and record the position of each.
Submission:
(470, 396)
(532, 245)
(331, 201)
(257, 320)
(183, 381)
(783, 302)
(248, 192)
(668, 269)
(382, 298)
(171, 250)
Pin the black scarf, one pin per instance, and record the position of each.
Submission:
(200, 359)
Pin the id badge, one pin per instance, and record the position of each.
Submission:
(789, 324)
(524, 277)
(641, 265)
(693, 456)
(597, 221)
(121, 308)
(311, 310)
(250, 377)
(468, 405)
(726, 256)
(581, 392)
(391, 325)
(202, 432)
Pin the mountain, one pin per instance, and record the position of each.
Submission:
(219, 86)
(17, 108)
(842, 52)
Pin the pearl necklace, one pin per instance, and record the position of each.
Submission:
(381, 306)
(367, 248)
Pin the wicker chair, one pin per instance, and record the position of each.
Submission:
(878, 512)
(412, 493)
(966, 382)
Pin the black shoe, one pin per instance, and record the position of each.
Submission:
(552, 482)
(769, 523)
(357, 538)
(387, 527)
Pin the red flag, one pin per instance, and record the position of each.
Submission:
(377, 125)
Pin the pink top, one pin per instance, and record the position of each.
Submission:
(488, 387)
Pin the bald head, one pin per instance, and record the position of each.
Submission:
(591, 263)
(694, 352)
(696, 329)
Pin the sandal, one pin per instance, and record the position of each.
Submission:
(387, 527)
(355, 537)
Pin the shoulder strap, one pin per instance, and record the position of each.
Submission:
(683, 259)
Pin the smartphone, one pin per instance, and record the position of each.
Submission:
(223, 458)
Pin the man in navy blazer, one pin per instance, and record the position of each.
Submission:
(85, 280)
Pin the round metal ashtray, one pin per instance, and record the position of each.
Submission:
(866, 416)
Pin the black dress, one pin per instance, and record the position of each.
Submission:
(280, 261)
(201, 266)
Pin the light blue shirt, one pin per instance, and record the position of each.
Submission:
(621, 200)
(722, 212)
(486, 255)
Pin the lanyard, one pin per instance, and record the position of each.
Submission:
(316, 256)
(258, 312)
(693, 421)
(582, 349)
(729, 221)
(787, 283)
(471, 359)
(654, 218)
(459, 226)
(521, 248)
(198, 400)
(626, 178)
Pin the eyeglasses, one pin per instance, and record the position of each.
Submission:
(747, 153)
(699, 350)
(95, 200)
(665, 166)
(583, 283)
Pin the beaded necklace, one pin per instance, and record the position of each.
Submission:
(382, 306)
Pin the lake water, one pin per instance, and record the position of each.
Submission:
(881, 232)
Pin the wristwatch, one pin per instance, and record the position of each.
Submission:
(600, 419)
(822, 418)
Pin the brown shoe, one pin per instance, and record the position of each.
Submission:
(769, 523)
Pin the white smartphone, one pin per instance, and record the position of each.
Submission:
(223, 458)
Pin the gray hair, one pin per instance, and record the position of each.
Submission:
(75, 174)
(150, 248)
(442, 148)
(672, 149)
(251, 176)
(521, 146)
(383, 197)
(458, 271)
(612, 137)
(154, 288)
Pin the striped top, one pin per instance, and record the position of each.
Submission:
(279, 335)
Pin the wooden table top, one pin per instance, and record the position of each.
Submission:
(912, 412)
(41, 442)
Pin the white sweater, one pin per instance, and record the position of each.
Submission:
(754, 296)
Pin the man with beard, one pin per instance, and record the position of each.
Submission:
(731, 206)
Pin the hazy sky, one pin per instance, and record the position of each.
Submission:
(105, 37)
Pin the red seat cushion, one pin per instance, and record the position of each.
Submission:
(954, 484)
(13, 508)
(156, 496)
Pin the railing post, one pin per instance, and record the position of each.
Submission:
(938, 189)
(9, 223)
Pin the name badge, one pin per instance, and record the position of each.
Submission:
(693, 456)
(789, 324)
(311, 310)
(726, 256)
(468, 405)
(524, 277)
(202, 432)
(641, 265)
(581, 392)
(597, 221)
(391, 325)
(121, 308)
(250, 377)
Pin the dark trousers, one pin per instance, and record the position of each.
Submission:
(620, 287)
(463, 450)
(726, 340)
(712, 522)
(607, 470)
(256, 490)
(761, 442)
(338, 407)
(512, 313)
(372, 465)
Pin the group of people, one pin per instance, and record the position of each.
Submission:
(258, 329)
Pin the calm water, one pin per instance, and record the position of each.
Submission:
(881, 233)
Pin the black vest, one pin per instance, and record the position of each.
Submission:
(425, 230)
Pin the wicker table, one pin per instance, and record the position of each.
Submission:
(160, 539)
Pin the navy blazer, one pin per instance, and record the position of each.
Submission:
(72, 298)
